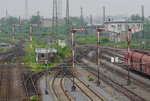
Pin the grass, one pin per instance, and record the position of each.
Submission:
(34, 98)
(90, 78)
(7, 39)
(30, 58)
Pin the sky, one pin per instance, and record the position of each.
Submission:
(94, 7)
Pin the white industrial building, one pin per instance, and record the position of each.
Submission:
(118, 29)
(45, 54)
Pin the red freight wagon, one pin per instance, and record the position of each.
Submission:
(136, 60)
(140, 61)
(146, 64)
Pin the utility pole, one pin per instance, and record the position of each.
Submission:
(31, 32)
(13, 29)
(129, 57)
(7, 28)
(98, 52)
(39, 21)
(128, 61)
(114, 60)
(26, 9)
(59, 3)
(91, 22)
(67, 20)
(55, 18)
(81, 17)
(142, 18)
(73, 53)
(103, 16)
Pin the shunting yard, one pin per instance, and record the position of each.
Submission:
(94, 56)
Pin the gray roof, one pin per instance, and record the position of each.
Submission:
(122, 22)
(45, 50)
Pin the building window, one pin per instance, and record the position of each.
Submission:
(119, 25)
(43, 55)
(113, 26)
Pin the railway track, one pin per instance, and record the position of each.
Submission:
(123, 75)
(111, 53)
(5, 84)
(57, 87)
(110, 82)
(57, 83)
(134, 80)
(30, 85)
(91, 94)
(24, 71)
(62, 95)
(13, 85)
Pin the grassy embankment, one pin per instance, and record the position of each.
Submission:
(105, 41)
(30, 57)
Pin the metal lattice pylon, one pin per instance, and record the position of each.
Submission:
(59, 9)
(67, 19)
(55, 18)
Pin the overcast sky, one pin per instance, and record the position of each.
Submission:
(94, 7)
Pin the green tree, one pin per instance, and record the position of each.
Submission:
(6, 24)
(77, 21)
(135, 17)
(35, 19)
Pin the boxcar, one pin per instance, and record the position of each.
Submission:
(140, 61)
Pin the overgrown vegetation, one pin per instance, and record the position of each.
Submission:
(2, 39)
(34, 98)
(91, 39)
(30, 57)
(90, 78)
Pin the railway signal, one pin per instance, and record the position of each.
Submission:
(31, 26)
(98, 51)
(128, 51)
(13, 29)
(73, 51)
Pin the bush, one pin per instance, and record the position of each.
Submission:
(90, 78)
(33, 98)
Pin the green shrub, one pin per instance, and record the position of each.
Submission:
(34, 98)
(90, 78)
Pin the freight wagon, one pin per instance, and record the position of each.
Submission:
(140, 61)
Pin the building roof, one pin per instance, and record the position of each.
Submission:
(45, 50)
(109, 22)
